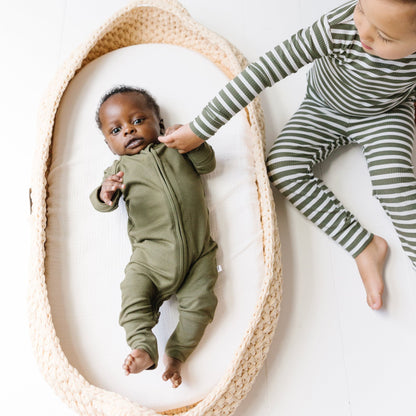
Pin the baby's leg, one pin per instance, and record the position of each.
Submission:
(309, 138)
(138, 316)
(172, 372)
(196, 303)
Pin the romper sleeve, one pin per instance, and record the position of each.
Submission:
(202, 158)
(95, 194)
(302, 48)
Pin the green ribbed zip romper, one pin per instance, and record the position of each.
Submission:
(172, 251)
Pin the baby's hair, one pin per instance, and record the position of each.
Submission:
(121, 89)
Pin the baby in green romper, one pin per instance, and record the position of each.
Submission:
(172, 251)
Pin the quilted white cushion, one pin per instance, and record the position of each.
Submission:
(87, 250)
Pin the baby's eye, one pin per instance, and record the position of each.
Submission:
(138, 121)
(116, 130)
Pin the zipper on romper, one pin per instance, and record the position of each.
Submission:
(174, 207)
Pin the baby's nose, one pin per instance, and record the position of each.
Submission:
(129, 130)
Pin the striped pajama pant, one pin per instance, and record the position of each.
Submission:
(313, 133)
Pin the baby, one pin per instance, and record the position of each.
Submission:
(361, 89)
(172, 251)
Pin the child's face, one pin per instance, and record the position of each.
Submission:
(128, 123)
(387, 28)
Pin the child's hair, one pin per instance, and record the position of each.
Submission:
(121, 89)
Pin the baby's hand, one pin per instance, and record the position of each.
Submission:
(110, 185)
(181, 138)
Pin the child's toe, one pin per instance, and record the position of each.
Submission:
(374, 301)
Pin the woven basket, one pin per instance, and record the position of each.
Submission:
(150, 21)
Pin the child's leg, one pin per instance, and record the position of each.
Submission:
(309, 138)
(139, 314)
(196, 303)
(387, 142)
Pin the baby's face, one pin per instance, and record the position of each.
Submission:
(387, 28)
(128, 123)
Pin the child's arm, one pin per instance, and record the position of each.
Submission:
(105, 198)
(288, 57)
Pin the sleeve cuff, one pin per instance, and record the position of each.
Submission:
(198, 132)
(203, 158)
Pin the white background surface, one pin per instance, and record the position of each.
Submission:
(331, 354)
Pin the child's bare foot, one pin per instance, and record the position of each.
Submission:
(173, 371)
(137, 361)
(370, 264)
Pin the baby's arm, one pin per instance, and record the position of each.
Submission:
(105, 197)
(202, 158)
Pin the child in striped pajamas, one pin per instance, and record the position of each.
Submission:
(360, 89)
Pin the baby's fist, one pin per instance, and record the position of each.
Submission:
(110, 185)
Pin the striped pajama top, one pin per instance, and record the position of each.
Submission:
(343, 76)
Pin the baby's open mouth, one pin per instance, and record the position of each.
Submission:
(133, 143)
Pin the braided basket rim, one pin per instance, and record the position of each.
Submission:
(67, 382)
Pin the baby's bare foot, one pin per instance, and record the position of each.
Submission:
(370, 264)
(137, 361)
(173, 371)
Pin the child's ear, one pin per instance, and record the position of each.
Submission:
(162, 126)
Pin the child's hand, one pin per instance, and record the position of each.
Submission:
(110, 185)
(183, 139)
(171, 129)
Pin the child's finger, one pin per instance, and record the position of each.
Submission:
(183, 139)
(171, 142)
(173, 128)
(168, 139)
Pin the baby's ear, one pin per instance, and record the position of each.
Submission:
(162, 126)
(106, 142)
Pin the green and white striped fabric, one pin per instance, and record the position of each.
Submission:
(313, 133)
(345, 76)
